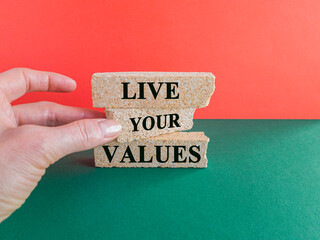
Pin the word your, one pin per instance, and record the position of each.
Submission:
(180, 154)
(170, 89)
(149, 122)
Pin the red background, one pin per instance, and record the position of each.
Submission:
(265, 54)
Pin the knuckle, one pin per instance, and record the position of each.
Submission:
(84, 133)
(50, 113)
(40, 81)
(51, 118)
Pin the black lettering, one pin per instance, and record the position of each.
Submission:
(141, 90)
(135, 124)
(144, 123)
(158, 154)
(159, 121)
(179, 154)
(195, 154)
(128, 154)
(153, 90)
(141, 150)
(125, 91)
(109, 155)
(174, 119)
(172, 90)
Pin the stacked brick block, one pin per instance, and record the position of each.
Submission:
(153, 108)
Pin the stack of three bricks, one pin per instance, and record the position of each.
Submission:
(153, 108)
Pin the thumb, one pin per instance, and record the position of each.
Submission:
(80, 135)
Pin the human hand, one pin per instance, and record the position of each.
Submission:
(33, 136)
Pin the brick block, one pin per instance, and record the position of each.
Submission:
(144, 123)
(152, 89)
(173, 150)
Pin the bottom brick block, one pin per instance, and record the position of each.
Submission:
(173, 150)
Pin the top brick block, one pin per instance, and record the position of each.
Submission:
(152, 89)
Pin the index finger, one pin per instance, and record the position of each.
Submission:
(18, 81)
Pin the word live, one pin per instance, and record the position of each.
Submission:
(170, 90)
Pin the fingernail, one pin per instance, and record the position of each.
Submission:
(109, 128)
(73, 82)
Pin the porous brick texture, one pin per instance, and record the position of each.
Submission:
(173, 150)
(144, 123)
(194, 89)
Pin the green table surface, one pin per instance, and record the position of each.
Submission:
(262, 182)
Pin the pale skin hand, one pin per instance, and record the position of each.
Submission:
(34, 136)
